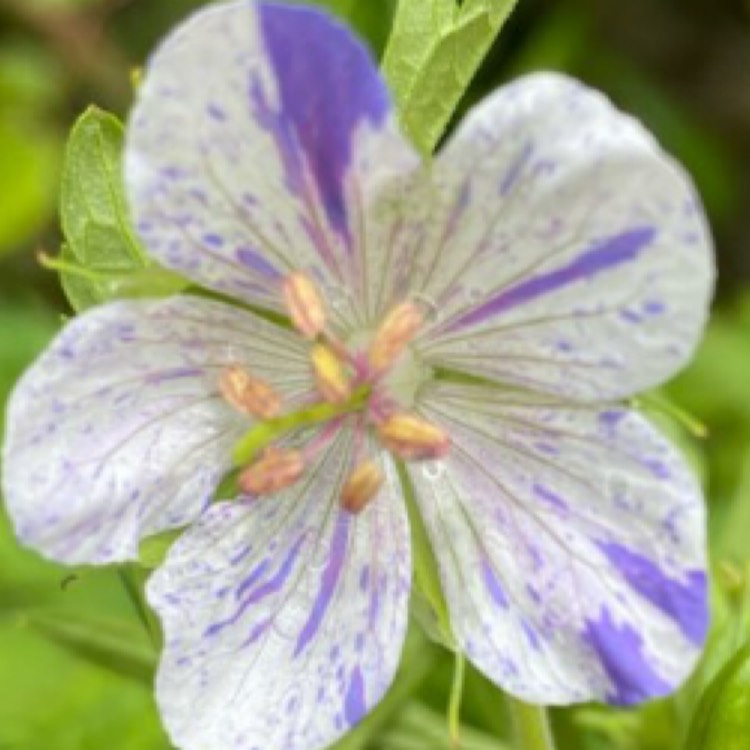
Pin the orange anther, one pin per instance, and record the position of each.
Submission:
(395, 332)
(304, 304)
(248, 394)
(361, 487)
(273, 471)
(413, 438)
(330, 375)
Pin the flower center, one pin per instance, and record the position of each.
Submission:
(368, 382)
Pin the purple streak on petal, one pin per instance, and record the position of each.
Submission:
(608, 254)
(255, 575)
(620, 651)
(354, 702)
(493, 585)
(549, 497)
(269, 587)
(257, 262)
(516, 168)
(327, 86)
(328, 582)
(685, 602)
(175, 373)
(281, 132)
(531, 635)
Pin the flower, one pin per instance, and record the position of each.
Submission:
(480, 319)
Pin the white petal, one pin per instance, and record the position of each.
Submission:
(260, 134)
(284, 617)
(571, 545)
(568, 253)
(117, 431)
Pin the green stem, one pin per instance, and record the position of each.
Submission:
(263, 434)
(454, 707)
(531, 726)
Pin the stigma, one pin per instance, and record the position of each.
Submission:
(352, 388)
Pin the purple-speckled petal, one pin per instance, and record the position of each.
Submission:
(283, 617)
(118, 431)
(261, 135)
(571, 546)
(567, 252)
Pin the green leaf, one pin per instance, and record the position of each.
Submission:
(433, 52)
(427, 601)
(722, 720)
(110, 644)
(153, 549)
(102, 258)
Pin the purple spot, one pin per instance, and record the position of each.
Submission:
(658, 468)
(630, 316)
(550, 497)
(620, 651)
(241, 554)
(364, 578)
(610, 419)
(531, 635)
(216, 112)
(214, 240)
(327, 87)
(328, 583)
(257, 262)
(653, 308)
(608, 254)
(354, 702)
(493, 585)
(685, 602)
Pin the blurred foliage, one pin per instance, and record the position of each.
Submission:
(76, 651)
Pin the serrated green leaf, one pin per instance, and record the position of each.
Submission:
(433, 52)
(102, 258)
(110, 644)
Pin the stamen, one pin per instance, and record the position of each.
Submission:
(413, 438)
(273, 471)
(248, 394)
(304, 304)
(331, 377)
(361, 487)
(395, 332)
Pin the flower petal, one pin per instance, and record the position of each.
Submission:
(283, 617)
(569, 254)
(118, 430)
(260, 133)
(571, 546)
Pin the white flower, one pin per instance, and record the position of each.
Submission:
(552, 252)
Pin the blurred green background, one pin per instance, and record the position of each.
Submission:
(682, 66)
